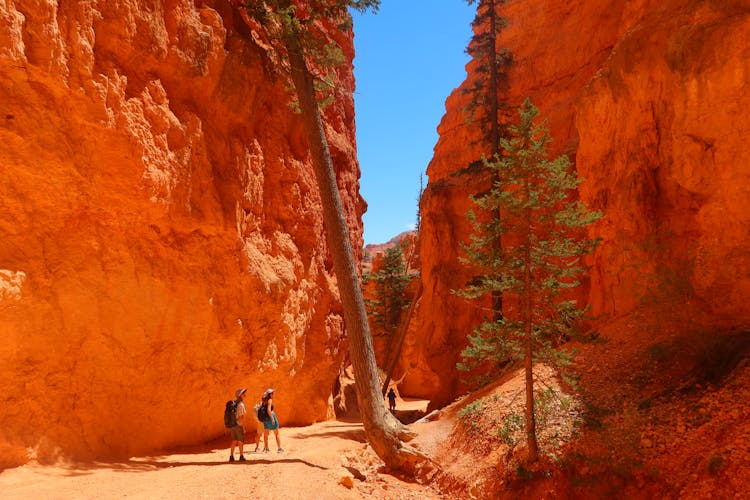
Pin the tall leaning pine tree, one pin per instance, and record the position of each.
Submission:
(293, 31)
(540, 258)
(487, 109)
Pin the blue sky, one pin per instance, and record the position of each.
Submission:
(409, 57)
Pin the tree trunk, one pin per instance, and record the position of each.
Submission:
(400, 340)
(530, 418)
(382, 429)
(389, 311)
(494, 87)
(529, 341)
(497, 296)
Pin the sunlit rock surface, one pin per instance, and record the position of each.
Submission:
(647, 98)
(161, 237)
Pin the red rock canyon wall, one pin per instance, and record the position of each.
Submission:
(161, 242)
(647, 98)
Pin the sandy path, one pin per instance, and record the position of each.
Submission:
(312, 466)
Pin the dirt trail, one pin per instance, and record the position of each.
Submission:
(315, 462)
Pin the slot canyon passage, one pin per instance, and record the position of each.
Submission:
(162, 244)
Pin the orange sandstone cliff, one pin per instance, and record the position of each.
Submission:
(647, 98)
(161, 242)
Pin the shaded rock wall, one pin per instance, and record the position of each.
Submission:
(669, 165)
(645, 97)
(161, 237)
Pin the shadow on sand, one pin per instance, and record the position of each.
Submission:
(345, 430)
(137, 465)
(349, 430)
(155, 463)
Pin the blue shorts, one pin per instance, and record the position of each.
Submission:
(272, 423)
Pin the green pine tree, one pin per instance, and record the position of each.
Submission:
(389, 300)
(487, 108)
(538, 261)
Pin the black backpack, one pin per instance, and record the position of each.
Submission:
(262, 412)
(230, 414)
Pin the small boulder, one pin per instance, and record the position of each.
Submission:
(347, 481)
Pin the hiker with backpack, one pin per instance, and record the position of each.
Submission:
(234, 419)
(259, 428)
(270, 421)
(391, 399)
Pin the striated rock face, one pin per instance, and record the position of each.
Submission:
(161, 242)
(645, 97)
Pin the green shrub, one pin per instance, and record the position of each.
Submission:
(510, 424)
(714, 464)
(470, 413)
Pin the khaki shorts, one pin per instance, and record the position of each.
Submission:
(238, 433)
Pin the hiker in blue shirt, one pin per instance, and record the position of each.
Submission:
(271, 423)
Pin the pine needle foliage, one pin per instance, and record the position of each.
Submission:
(324, 57)
(542, 250)
(486, 107)
(532, 255)
(389, 299)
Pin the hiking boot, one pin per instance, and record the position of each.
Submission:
(280, 450)
(231, 458)
(266, 450)
(242, 458)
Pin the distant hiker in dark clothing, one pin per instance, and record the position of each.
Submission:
(238, 431)
(270, 423)
(391, 399)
